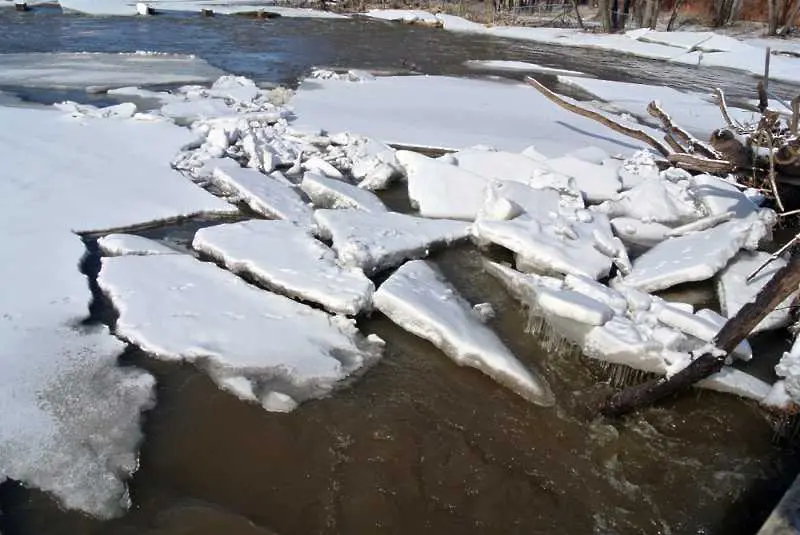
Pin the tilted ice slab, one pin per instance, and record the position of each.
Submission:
(595, 318)
(694, 257)
(102, 71)
(130, 244)
(501, 165)
(420, 300)
(372, 163)
(327, 192)
(654, 200)
(517, 66)
(253, 342)
(719, 197)
(596, 183)
(734, 291)
(376, 241)
(283, 257)
(444, 112)
(71, 415)
(439, 189)
(263, 194)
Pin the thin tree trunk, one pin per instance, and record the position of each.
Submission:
(654, 14)
(674, 16)
(605, 15)
(578, 15)
(772, 13)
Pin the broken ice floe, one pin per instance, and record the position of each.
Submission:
(624, 327)
(735, 291)
(419, 300)
(327, 192)
(282, 257)
(376, 241)
(697, 256)
(130, 244)
(250, 341)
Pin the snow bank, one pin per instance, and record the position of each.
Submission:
(409, 16)
(98, 71)
(230, 7)
(282, 257)
(420, 300)
(130, 244)
(71, 415)
(450, 113)
(178, 308)
(376, 241)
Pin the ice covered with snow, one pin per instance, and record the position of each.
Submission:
(418, 298)
(372, 163)
(693, 111)
(441, 190)
(71, 415)
(597, 183)
(125, 244)
(789, 368)
(178, 308)
(518, 66)
(100, 71)
(695, 257)
(282, 257)
(734, 291)
(654, 200)
(264, 195)
(376, 241)
(230, 7)
(719, 196)
(327, 192)
(410, 16)
(444, 113)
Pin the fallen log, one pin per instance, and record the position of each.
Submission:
(635, 133)
(780, 286)
(681, 135)
(692, 162)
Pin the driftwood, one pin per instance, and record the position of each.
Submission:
(781, 286)
(681, 135)
(635, 133)
(692, 162)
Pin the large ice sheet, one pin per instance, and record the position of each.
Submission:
(253, 342)
(420, 300)
(449, 113)
(283, 257)
(102, 71)
(71, 415)
(263, 194)
(734, 291)
(128, 7)
(693, 111)
(694, 257)
(374, 242)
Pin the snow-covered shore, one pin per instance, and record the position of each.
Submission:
(571, 210)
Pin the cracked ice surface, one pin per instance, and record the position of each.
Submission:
(257, 344)
(71, 415)
(130, 244)
(420, 300)
(283, 257)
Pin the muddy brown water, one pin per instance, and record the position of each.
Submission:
(420, 445)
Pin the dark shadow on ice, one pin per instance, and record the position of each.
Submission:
(616, 141)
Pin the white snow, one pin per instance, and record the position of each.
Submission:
(125, 244)
(129, 7)
(442, 190)
(450, 113)
(574, 305)
(500, 165)
(410, 16)
(720, 197)
(597, 183)
(636, 233)
(71, 415)
(518, 66)
(420, 300)
(376, 241)
(263, 194)
(178, 308)
(734, 291)
(99, 71)
(283, 257)
(694, 257)
(654, 200)
(332, 193)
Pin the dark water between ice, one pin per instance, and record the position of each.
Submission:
(417, 445)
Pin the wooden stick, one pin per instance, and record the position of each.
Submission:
(723, 108)
(681, 135)
(736, 329)
(692, 162)
(635, 133)
(774, 256)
